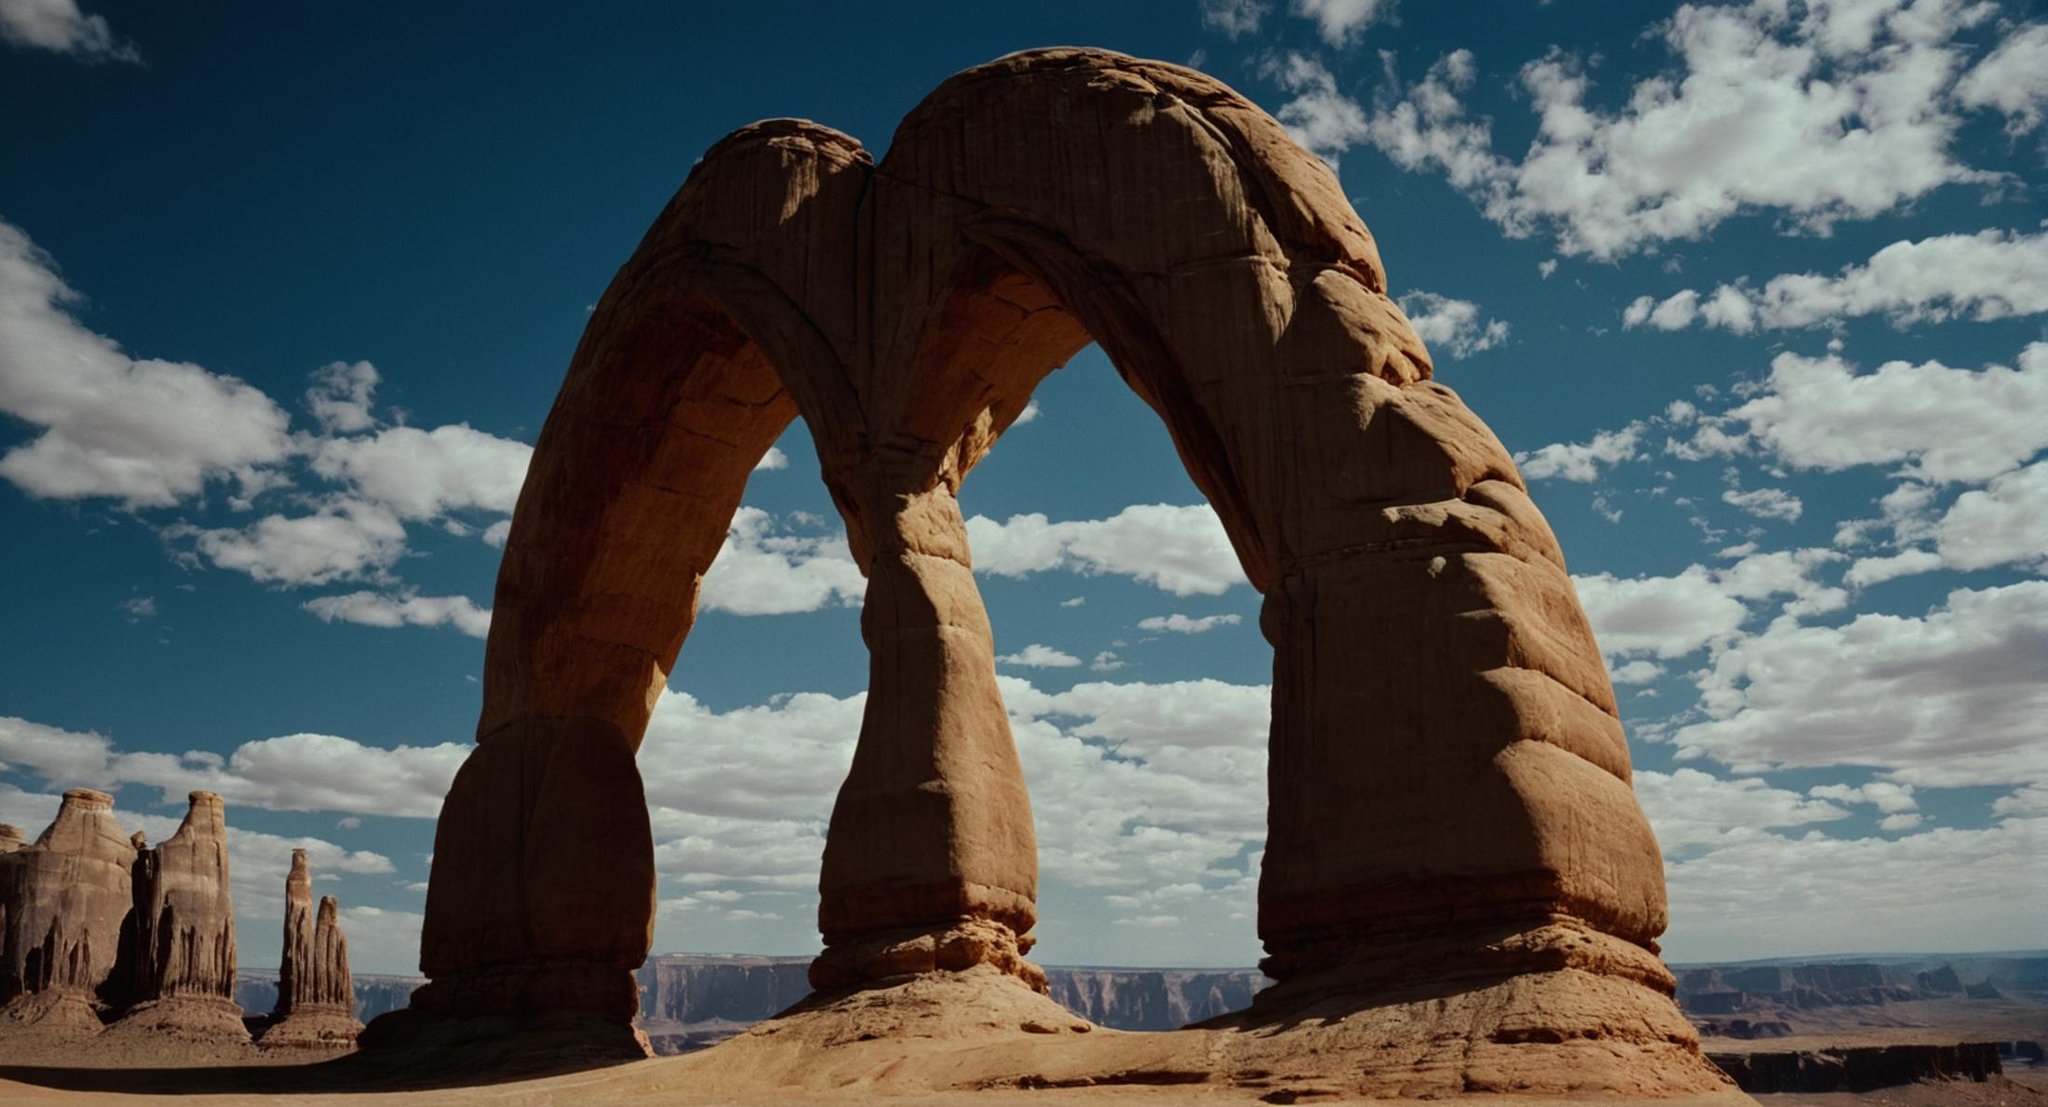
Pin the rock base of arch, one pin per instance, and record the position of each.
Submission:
(953, 946)
(983, 1030)
(313, 1027)
(465, 1049)
(191, 1017)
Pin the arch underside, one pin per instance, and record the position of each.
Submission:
(1448, 781)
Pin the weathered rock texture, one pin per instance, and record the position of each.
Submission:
(1453, 842)
(183, 953)
(315, 994)
(62, 903)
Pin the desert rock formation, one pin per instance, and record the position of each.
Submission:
(315, 994)
(184, 932)
(62, 902)
(1457, 879)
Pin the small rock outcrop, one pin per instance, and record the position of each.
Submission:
(183, 963)
(62, 903)
(315, 995)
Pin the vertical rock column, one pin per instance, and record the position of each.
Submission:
(1449, 782)
(62, 902)
(930, 861)
(184, 931)
(315, 995)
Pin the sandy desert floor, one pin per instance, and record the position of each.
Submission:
(972, 1045)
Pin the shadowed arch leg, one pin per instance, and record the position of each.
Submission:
(930, 859)
(541, 903)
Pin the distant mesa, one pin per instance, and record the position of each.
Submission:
(102, 934)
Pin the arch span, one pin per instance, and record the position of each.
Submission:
(1449, 797)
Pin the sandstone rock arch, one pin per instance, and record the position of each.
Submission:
(1449, 796)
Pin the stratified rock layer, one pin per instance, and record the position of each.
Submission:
(62, 902)
(315, 994)
(1452, 843)
(184, 932)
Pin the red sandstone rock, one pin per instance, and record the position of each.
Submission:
(1451, 817)
(62, 902)
(315, 996)
(184, 933)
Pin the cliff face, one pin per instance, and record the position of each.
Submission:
(1712, 990)
(1152, 999)
(682, 988)
(374, 994)
(1859, 1069)
(691, 989)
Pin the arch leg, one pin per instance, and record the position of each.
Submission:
(930, 859)
(541, 901)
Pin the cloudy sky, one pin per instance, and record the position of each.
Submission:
(1757, 292)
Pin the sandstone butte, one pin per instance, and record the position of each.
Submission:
(181, 942)
(315, 995)
(63, 900)
(95, 925)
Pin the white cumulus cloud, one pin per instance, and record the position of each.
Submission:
(1182, 550)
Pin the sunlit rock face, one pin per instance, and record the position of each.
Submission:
(315, 994)
(182, 932)
(1457, 874)
(63, 900)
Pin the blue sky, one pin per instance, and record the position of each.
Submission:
(1757, 292)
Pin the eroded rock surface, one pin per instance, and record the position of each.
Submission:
(315, 993)
(1456, 868)
(184, 932)
(63, 899)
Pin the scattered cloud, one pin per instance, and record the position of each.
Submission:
(1938, 423)
(1672, 616)
(1765, 503)
(1453, 326)
(1234, 18)
(295, 772)
(424, 474)
(1182, 550)
(1639, 671)
(1690, 808)
(384, 609)
(1582, 461)
(138, 608)
(146, 433)
(1340, 22)
(1820, 113)
(1036, 656)
(342, 396)
(2013, 79)
(1183, 624)
(1950, 698)
(772, 460)
(346, 540)
(60, 27)
(1319, 117)
(763, 570)
(1985, 276)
